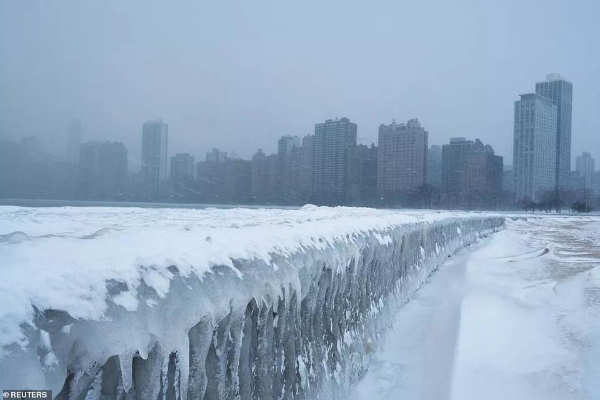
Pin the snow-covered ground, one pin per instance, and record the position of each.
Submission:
(504, 319)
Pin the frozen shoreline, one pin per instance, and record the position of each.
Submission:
(326, 279)
(503, 319)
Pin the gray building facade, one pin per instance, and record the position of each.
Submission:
(333, 139)
(585, 167)
(472, 175)
(362, 175)
(154, 157)
(288, 153)
(561, 93)
(534, 146)
(182, 174)
(402, 156)
(454, 164)
(434, 165)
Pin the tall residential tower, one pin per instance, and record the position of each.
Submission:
(584, 165)
(333, 140)
(561, 93)
(154, 157)
(402, 156)
(534, 146)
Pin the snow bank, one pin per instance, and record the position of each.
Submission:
(261, 303)
(503, 320)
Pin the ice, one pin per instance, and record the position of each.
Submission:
(517, 316)
(238, 303)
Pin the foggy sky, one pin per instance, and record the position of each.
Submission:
(240, 74)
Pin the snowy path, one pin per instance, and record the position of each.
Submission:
(504, 319)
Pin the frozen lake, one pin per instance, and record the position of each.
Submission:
(504, 319)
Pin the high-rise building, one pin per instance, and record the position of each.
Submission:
(333, 139)
(362, 174)
(454, 164)
(508, 179)
(434, 165)
(260, 184)
(74, 140)
(211, 179)
(288, 153)
(239, 180)
(103, 170)
(182, 174)
(307, 153)
(291, 188)
(227, 181)
(471, 174)
(483, 177)
(584, 165)
(561, 92)
(154, 157)
(216, 156)
(534, 146)
(576, 182)
(596, 183)
(402, 156)
(286, 144)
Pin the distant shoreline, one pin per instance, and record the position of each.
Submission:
(141, 204)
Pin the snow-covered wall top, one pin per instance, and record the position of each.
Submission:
(128, 268)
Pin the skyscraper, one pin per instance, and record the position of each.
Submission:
(307, 153)
(584, 165)
(288, 153)
(483, 178)
(154, 157)
(454, 169)
(182, 174)
(434, 166)
(260, 184)
(333, 138)
(216, 155)
(362, 174)
(402, 156)
(534, 146)
(508, 180)
(471, 174)
(561, 93)
(74, 139)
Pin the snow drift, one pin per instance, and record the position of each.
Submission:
(215, 304)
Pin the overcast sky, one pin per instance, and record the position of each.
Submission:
(239, 74)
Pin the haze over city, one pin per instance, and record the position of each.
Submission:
(238, 75)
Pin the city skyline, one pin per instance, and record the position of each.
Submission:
(76, 127)
(327, 167)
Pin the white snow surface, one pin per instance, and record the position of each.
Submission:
(62, 258)
(505, 319)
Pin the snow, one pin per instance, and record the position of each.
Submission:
(517, 317)
(116, 281)
(61, 258)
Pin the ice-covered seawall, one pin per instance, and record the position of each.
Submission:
(211, 304)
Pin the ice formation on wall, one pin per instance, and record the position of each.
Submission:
(245, 304)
